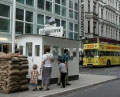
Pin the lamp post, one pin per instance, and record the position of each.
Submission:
(13, 26)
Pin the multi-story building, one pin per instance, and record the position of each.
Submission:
(102, 18)
(31, 15)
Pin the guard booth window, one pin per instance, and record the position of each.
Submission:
(29, 48)
(21, 50)
(37, 50)
(55, 51)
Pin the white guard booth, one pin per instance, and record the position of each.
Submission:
(34, 46)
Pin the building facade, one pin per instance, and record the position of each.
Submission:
(32, 15)
(102, 18)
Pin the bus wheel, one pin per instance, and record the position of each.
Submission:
(108, 63)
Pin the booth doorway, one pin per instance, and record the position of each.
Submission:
(5, 47)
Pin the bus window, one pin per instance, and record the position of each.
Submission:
(91, 40)
(91, 53)
(102, 53)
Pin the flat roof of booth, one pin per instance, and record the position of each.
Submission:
(44, 36)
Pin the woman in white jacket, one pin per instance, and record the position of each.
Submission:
(46, 68)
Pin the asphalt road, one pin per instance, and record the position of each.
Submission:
(112, 71)
(110, 89)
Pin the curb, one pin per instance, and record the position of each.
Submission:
(79, 88)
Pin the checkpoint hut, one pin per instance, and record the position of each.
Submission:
(34, 47)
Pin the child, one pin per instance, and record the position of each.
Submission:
(34, 77)
(63, 71)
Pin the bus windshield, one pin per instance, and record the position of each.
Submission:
(91, 40)
(91, 53)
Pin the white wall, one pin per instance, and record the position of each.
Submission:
(32, 60)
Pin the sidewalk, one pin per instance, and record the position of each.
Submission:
(85, 81)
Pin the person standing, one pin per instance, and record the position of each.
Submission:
(65, 58)
(34, 77)
(46, 69)
(63, 72)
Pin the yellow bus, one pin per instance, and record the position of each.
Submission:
(101, 52)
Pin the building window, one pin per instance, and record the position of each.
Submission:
(116, 19)
(76, 6)
(76, 32)
(76, 27)
(47, 19)
(39, 27)
(28, 28)
(37, 50)
(64, 2)
(19, 27)
(106, 15)
(20, 1)
(76, 15)
(106, 31)
(48, 6)
(40, 19)
(30, 2)
(71, 26)
(94, 27)
(94, 7)
(102, 30)
(64, 33)
(63, 24)
(4, 25)
(4, 10)
(71, 4)
(88, 5)
(21, 50)
(57, 9)
(71, 14)
(29, 48)
(57, 1)
(88, 26)
(63, 11)
(119, 5)
(41, 4)
(29, 16)
(101, 13)
(57, 22)
(5, 18)
(19, 14)
(76, 36)
(70, 35)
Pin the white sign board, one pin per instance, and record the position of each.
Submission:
(52, 31)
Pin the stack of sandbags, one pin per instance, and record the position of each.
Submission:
(14, 73)
(11, 73)
(23, 72)
(3, 72)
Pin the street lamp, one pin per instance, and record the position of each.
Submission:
(13, 26)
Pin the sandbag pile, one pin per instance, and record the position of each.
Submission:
(13, 73)
(23, 73)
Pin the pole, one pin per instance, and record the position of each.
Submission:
(13, 26)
